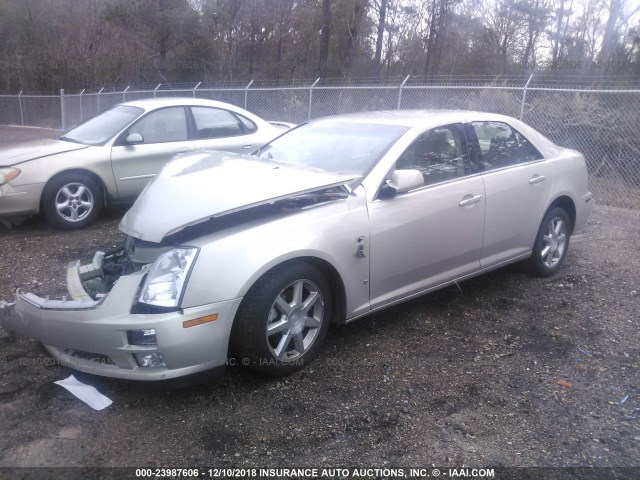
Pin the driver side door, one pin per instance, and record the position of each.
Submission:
(164, 134)
(432, 234)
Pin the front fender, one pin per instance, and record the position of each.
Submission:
(95, 160)
(230, 262)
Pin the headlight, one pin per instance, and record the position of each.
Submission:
(166, 280)
(8, 174)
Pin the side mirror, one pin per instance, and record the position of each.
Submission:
(134, 138)
(402, 181)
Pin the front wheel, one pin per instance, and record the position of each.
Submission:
(283, 320)
(72, 201)
(552, 243)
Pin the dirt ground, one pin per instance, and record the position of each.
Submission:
(459, 377)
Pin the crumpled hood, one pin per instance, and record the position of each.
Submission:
(197, 187)
(23, 152)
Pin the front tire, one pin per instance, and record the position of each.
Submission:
(283, 320)
(552, 243)
(72, 201)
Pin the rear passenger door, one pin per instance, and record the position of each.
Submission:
(517, 181)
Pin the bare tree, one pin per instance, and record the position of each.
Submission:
(382, 14)
(325, 33)
(504, 27)
(610, 37)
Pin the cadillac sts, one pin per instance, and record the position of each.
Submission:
(256, 255)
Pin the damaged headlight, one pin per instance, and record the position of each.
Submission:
(167, 278)
(8, 174)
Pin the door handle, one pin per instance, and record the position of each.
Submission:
(537, 179)
(181, 150)
(470, 201)
(247, 145)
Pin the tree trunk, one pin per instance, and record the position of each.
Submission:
(381, 27)
(609, 39)
(359, 9)
(325, 33)
(556, 40)
(430, 39)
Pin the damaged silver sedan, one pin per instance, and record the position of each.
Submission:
(256, 255)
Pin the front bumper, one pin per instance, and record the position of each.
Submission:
(92, 336)
(21, 200)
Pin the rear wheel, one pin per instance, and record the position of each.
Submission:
(552, 243)
(283, 320)
(72, 201)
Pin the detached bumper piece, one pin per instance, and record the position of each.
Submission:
(98, 334)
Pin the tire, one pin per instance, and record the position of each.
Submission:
(551, 245)
(72, 201)
(275, 334)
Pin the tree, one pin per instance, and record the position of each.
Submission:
(504, 27)
(382, 14)
(325, 32)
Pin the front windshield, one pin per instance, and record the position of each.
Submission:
(334, 146)
(99, 129)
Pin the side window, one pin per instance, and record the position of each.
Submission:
(439, 154)
(498, 144)
(249, 126)
(165, 125)
(526, 151)
(215, 123)
(502, 146)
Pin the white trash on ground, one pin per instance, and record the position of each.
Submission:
(86, 393)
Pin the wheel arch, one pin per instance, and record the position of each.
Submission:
(331, 274)
(568, 205)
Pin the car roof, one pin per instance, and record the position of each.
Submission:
(416, 118)
(152, 103)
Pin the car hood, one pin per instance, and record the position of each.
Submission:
(195, 188)
(23, 152)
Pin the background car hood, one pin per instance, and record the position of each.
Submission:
(22, 152)
(197, 187)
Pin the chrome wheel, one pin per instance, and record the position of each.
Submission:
(74, 202)
(554, 242)
(295, 319)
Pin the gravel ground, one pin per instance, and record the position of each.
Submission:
(463, 376)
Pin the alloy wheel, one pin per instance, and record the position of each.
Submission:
(294, 320)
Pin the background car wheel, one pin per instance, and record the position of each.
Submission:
(552, 243)
(72, 201)
(283, 320)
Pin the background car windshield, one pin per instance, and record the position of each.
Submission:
(101, 128)
(340, 147)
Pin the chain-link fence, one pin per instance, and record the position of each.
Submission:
(599, 121)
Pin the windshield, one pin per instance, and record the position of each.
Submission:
(340, 147)
(99, 129)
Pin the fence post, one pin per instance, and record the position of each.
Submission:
(99, 92)
(246, 93)
(524, 96)
(62, 112)
(124, 93)
(311, 96)
(400, 91)
(195, 88)
(20, 103)
(154, 90)
(81, 104)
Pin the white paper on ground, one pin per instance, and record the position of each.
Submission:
(86, 393)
